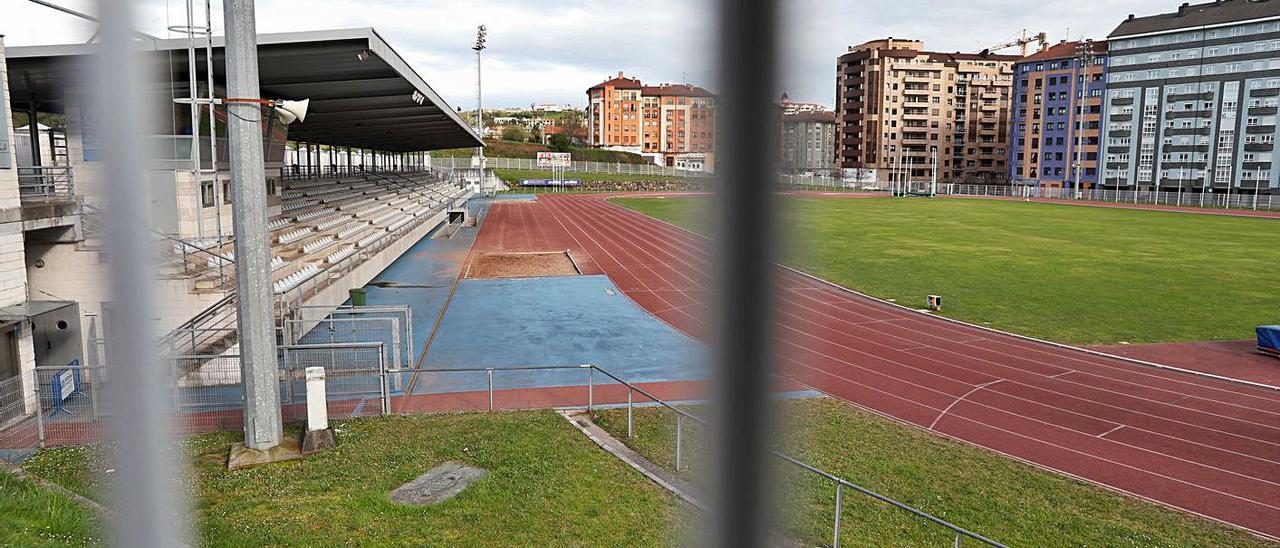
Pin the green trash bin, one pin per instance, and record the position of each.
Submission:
(358, 295)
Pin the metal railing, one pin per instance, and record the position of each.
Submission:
(291, 172)
(46, 182)
(577, 166)
(840, 484)
(1209, 200)
(323, 278)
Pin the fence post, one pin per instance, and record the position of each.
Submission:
(835, 533)
(591, 388)
(382, 372)
(35, 375)
(288, 375)
(490, 372)
(957, 544)
(679, 438)
(629, 416)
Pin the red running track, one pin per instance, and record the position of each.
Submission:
(1205, 446)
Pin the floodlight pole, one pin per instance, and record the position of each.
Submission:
(481, 34)
(255, 319)
(1084, 57)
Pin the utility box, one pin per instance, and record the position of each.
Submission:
(934, 302)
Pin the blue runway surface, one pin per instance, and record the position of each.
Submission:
(503, 323)
(517, 197)
(564, 320)
(422, 277)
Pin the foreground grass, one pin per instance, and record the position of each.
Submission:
(1003, 499)
(33, 516)
(1072, 274)
(547, 486)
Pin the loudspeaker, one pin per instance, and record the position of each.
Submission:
(288, 111)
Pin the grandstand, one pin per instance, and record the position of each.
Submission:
(331, 227)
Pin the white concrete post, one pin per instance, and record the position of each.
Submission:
(317, 408)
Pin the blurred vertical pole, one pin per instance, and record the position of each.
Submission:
(743, 287)
(256, 320)
(146, 497)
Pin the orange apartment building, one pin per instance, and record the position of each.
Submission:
(674, 124)
(902, 110)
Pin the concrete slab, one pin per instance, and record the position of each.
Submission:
(243, 457)
(553, 321)
(438, 484)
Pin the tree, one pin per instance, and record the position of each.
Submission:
(535, 136)
(571, 121)
(561, 142)
(514, 133)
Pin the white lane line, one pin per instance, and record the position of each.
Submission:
(958, 400)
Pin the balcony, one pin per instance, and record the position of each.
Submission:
(1175, 97)
(1270, 128)
(1264, 92)
(1262, 111)
(46, 184)
(1180, 114)
(1181, 131)
(1258, 147)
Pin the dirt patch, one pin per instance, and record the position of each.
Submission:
(521, 265)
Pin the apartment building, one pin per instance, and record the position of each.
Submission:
(903, 112)
(1057, 115)
(790, 107)
(808, 142)
(613, 114)
(1192, 97)
(674, 124)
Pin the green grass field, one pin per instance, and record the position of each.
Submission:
(33, 516)
(547, 485)
(1080, 275)
(1003, 499)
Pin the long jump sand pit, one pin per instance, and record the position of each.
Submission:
(522, 265)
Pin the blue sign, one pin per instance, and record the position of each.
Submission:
(66, 383)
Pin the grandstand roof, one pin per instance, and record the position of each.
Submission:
(362, 92)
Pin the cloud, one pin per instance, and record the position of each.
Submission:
(551, 51)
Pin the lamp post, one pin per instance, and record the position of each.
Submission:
(1257, 183)
(481, 34)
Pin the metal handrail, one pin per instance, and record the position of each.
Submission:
(840, 482)
(46, 182)
(681, 415)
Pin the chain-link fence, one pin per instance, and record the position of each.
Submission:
(53, 406)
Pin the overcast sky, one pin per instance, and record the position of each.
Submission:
(551, 51)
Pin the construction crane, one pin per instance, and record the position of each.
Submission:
(1041, 38)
